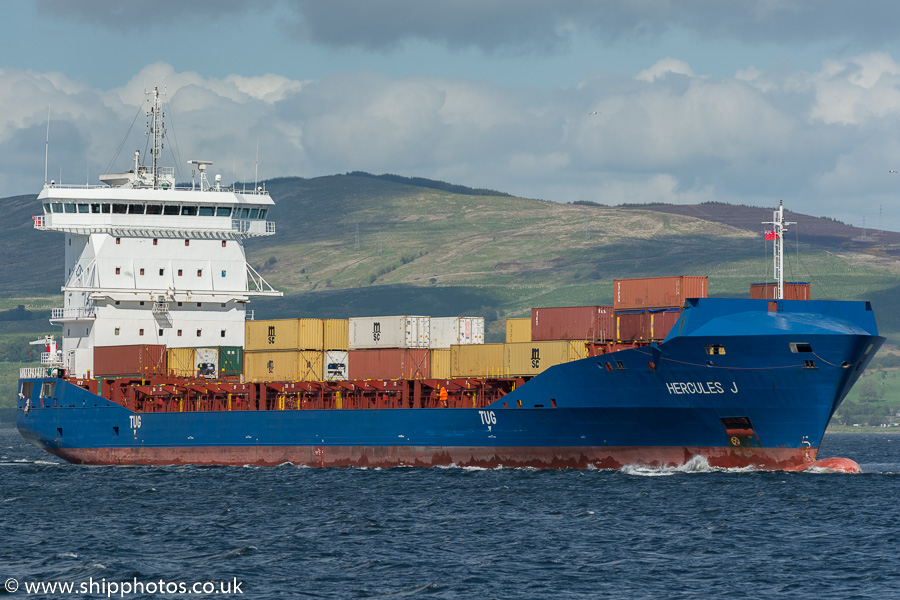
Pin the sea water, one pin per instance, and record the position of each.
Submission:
(295, 532)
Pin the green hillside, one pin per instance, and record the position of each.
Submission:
(357, 245)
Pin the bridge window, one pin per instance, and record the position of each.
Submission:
(119, 209)
(83, 208)
(263, 212)
(95, 208)
(189, 211)
(105, 208)
(245, 212)
(56, 207)
(254, 213)
(69, 208)
(207, 211)
(46, 207)
(223, 211)
(135, 209)
(170, 209)
(154, 209)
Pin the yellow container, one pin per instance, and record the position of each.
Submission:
(440, 363)
(518, 330)
(527, 359)
(336, 334)
(283, 334)
(309, 334)
(181, 362)
(477, 360)
(283, 365)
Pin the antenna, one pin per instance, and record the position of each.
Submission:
(47, 145)
(256, 175)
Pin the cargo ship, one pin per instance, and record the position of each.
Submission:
(162, 362)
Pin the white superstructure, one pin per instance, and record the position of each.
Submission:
(149, 263)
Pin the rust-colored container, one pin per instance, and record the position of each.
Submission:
(440, 363)
(336, 334)
(283, 365)
(518, 330)
(478, 360)
(588, 323)
(526, 359)
(632, 325)
(389, 363)
(794, 290)
(661, 322)
(142, 360)
(658, 292)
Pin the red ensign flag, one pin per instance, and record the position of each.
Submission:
(771, 235)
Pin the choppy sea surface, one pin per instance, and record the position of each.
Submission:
(293, 532)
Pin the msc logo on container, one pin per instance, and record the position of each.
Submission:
(271, 336)
(270, 366)
(535, 358)
(376, 331)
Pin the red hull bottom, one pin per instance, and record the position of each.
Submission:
(772, 459)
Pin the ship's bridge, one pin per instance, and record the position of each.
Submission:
(174, 212)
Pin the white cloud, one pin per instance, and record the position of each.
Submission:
(753, 138)
(663, 67)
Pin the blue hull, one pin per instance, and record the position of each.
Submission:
(733, 382)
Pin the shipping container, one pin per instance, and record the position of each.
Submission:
(588, 323)
(518, 330)
(632, 325)
(388, 363)
(142, 360)
(206, 362)
(478, 360)
(336, 334)
(793, 290)
(180, 362)
(283, 334)
(658, 292)
(389, 332)
(283, 365)
(440, 363)
(335, 365)
(231, 361)
(662, 321)
(526, 359)
(450, 331)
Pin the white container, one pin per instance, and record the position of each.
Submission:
(335, 365)
(389, 332)
(206, 362)
(455, 331)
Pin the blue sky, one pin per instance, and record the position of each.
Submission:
(695, 101)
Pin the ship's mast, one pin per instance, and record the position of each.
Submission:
(156, 132)
(779, 228)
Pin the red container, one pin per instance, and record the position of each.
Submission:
(588, 323)
(143, 360)
(661, 323)
(632, 325)
(794, 290)
(658, 292)
(388, 363)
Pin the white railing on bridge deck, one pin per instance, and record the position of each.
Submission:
(80, 312)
